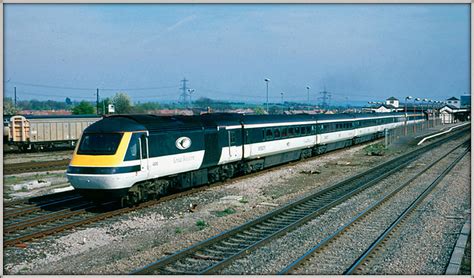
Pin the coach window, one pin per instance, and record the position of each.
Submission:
(303, 130)
(269, 134)
(263, 134)
(276, 133)
(291, 132)
(284, 132)
(297, 131)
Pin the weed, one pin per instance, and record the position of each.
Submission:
(201, 224)
(225, 212)
(179, 230)
(375, 149)
(243, 200)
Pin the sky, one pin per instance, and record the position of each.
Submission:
(358, 52)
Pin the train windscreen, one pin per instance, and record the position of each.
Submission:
(99, 143)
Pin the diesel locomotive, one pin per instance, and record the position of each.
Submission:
(140, 157)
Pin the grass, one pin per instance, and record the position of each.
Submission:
(178, 230)
(243, 200)
(377, 149)
(225, 212)
(11, 180)
(201, 224)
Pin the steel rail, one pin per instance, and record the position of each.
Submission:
(39, 200)
(97, 217)
(10, 213)
(45, 218)
(325, 241)
(355, 266)
(25, 167)
(249, 232)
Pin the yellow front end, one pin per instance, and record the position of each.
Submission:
(103, 175)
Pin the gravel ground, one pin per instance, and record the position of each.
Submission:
(50, 180)
(341, 253)
(434, 227)
(125, 243)
(275, 255)
(11, 158)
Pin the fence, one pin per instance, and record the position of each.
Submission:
(395, 134)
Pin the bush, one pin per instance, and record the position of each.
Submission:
(375, 149)
(201, 224)
(225, 212)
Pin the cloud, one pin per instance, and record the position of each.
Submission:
(181, 22)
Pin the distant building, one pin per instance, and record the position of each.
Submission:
(392, 101)
(466, 101)
(453, 101)
(391, 104)
(450, 114)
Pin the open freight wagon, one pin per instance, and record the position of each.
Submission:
(47, 132)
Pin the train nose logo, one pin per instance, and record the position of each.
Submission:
(183, 143)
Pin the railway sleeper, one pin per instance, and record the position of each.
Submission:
(174, 271)
(242, 242)
(202, 256)
(232, 244)
(191, 262)
(217, 253)
(248, 237)
(261, 230)
(279, 221)
(294, 214)
(224, 248)
(269, 225)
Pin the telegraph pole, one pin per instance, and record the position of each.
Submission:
(307, 90)
(14, 88)
(97, 101)
(184, 89)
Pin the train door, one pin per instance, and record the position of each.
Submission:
(233, 140)
(144, 155)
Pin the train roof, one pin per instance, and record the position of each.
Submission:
(139, 122)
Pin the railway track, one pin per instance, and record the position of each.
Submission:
(47, 215)
(42, 166)
(37, 217)
(334, 254)
(212, 255)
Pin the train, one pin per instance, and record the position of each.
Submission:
(135, 158)
(35, 132)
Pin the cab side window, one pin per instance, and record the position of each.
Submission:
(133, 151)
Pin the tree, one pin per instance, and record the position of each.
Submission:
(104, 105)
(122, 103)
(259, 110)
(8, 107)
(68, 101)
(83, 107)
